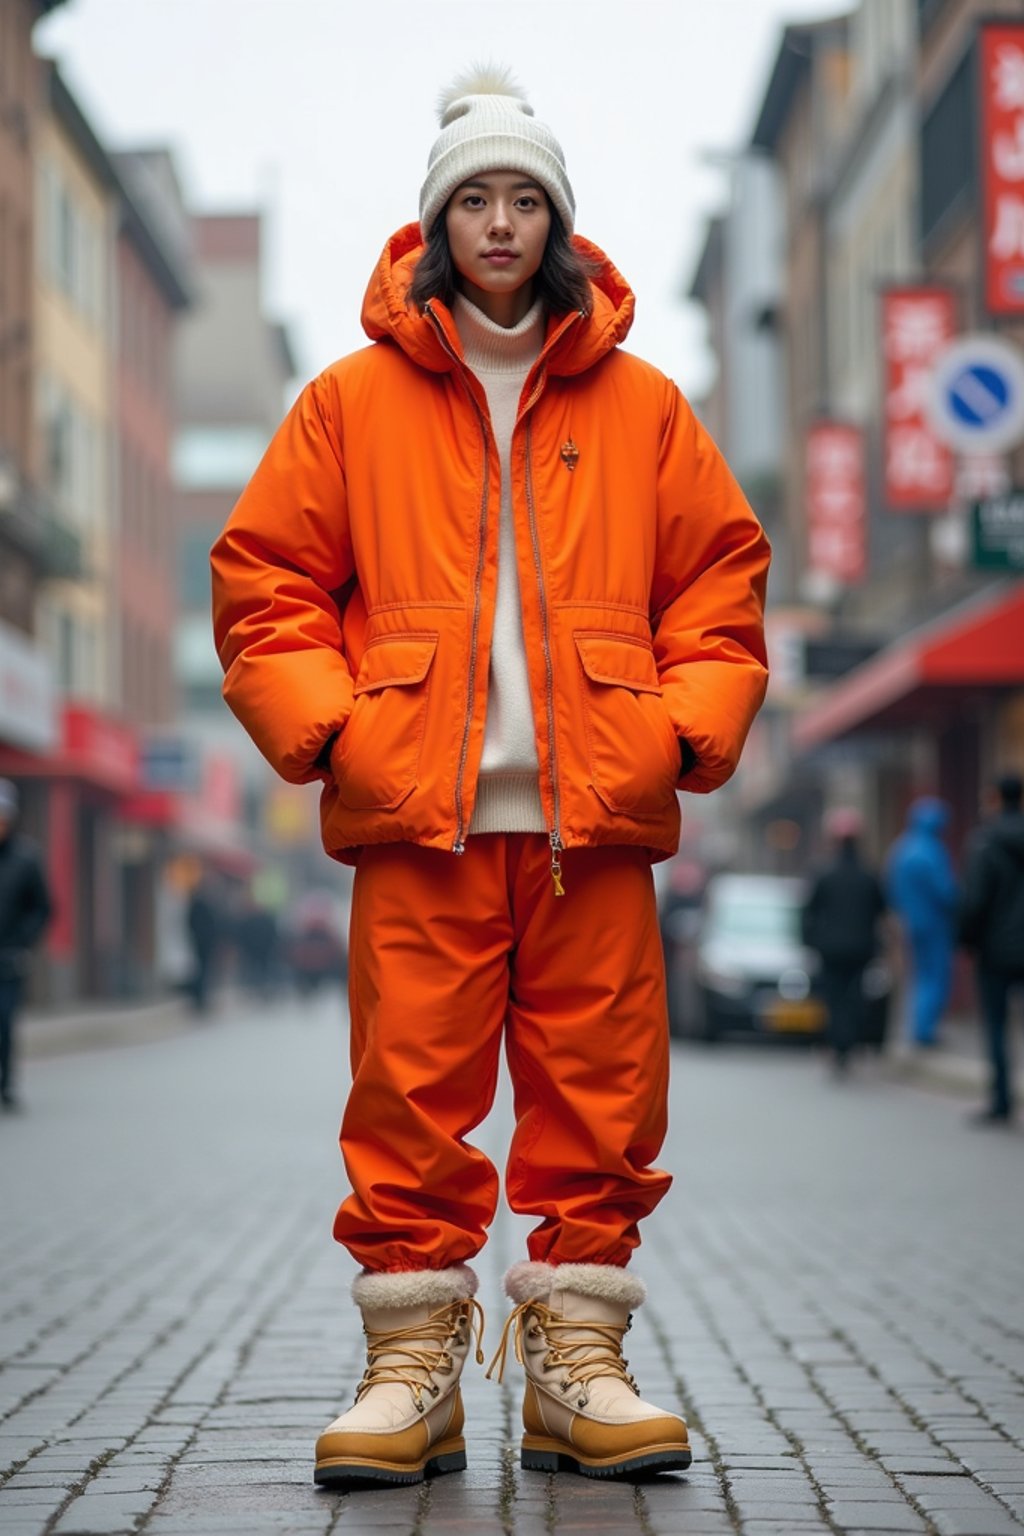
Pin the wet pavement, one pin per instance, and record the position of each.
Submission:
(836, 1279)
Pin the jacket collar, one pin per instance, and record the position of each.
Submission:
(573, 348)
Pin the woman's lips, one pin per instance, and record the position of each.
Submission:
(500, 258)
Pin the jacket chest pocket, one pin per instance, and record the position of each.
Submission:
(632, 746)
(376, 760)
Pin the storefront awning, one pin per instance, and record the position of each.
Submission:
(920, 678)
(93, 748)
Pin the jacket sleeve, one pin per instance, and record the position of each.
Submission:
(976, 896)
(36, 907)
(810, 914)
(707, 599)
(277, 570)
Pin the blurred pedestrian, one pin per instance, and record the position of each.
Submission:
(315, 950)
(922, 890)
(256, 936)
(494, 585)
(992, 925)
(840, 922)
(24, 913)
(205, 923)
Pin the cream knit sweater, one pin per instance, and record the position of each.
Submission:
(508, 797)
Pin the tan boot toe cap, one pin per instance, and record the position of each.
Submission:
(604, 1441)
(406, 1448)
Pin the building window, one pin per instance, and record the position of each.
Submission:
(929, 11)
(65, 652)
(58, 449)
(88, 290)
(74, 451)
(64, 252)
(948, 148)
(217, 457)
(72, 247)
(194, 576)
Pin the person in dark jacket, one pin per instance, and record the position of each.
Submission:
(992, 925)
(24, 912)
(840, 921)
(205, 922)
(256, 937)
(922, 890)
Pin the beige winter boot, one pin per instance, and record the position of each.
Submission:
(583, 1411)
(407, 1420)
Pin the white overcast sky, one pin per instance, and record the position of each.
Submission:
(323, 111)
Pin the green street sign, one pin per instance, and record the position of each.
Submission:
(997, 532)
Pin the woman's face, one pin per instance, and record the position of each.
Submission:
(498, 226)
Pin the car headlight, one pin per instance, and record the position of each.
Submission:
(794, 985)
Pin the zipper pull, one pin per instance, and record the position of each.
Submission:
(556, 864)
(459, 847)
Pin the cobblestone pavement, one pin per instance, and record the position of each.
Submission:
(837, 1303)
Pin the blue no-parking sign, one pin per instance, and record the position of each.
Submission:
(976, 398)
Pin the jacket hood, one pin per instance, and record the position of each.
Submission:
(386, 315)
(928, 815)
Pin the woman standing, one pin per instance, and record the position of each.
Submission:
(494, 585)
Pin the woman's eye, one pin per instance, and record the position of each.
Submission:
(474, 201)
(526, 202)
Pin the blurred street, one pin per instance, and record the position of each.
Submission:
(500, 574)
(835, 1278)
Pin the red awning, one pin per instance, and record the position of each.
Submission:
(95, 748)
(921, 678)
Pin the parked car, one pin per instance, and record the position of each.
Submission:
(753, 973)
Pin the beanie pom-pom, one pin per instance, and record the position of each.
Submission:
(480, 80)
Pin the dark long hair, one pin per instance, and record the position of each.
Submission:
(562, 282)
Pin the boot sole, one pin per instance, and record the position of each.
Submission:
(358, 1473)
(539, 1455)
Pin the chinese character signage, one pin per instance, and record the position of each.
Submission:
(1001, 47)
(834, 480)
(918, 468)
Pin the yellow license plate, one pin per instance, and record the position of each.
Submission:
(796, 1017)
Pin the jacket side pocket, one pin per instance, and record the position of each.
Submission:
(376, 760)
(632, 746)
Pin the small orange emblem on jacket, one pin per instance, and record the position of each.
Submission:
(570, 455)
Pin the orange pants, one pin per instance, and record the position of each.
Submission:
(447, 954)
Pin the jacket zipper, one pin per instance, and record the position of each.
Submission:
(555, 835)
(459, 845)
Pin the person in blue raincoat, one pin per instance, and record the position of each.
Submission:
(922, 890)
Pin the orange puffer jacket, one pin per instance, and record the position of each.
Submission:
(354, 585)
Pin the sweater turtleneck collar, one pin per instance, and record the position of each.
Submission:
(492, 348)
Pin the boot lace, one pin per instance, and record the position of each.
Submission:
(422, 1348)
(598, 1347)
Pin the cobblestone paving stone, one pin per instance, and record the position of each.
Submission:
(837, 1304)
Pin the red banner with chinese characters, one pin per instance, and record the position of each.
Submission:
(835, 501)
(918, 468)
(1001, 65)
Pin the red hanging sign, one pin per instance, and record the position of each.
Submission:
(918, 468)
(1001, 52)
(835, 501)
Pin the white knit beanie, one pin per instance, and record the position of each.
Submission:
(488, 125)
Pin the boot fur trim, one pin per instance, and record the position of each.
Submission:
(528, 1281)
(414, 1287)
(607, 1281)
